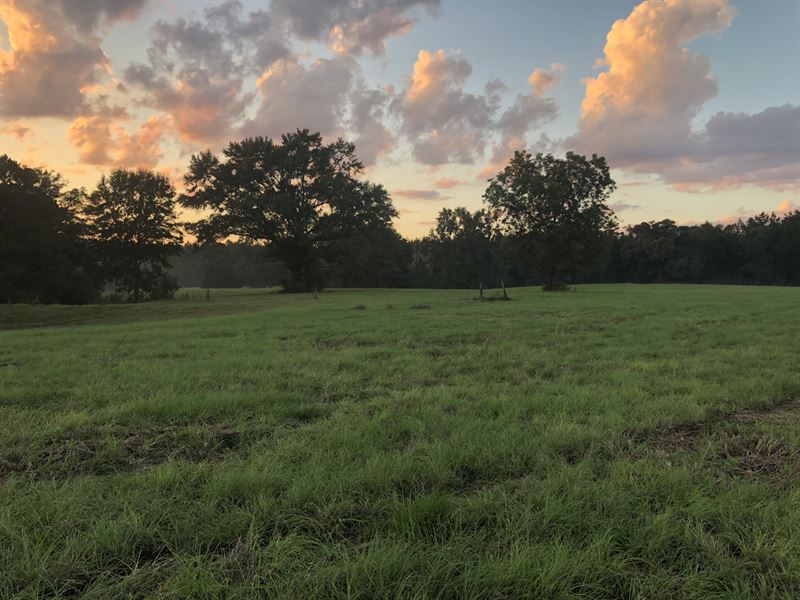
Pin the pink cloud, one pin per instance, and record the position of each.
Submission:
(101, 141)
(445, 183)
(639, 112)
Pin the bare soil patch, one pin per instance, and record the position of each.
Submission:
(729, 444)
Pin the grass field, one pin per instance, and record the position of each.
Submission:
(618, 441)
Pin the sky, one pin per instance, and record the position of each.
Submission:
(695, 104)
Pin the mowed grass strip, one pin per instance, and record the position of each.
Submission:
(616, 441)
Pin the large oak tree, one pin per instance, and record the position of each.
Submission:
(299, 198)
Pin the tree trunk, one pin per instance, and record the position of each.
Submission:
(480, 290)
(503, 285)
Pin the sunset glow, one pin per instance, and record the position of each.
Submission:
(696, 101)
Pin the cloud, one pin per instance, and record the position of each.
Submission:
(442, 122)
(205, 107)
(92, 138)
(197, 68)
(100, 141)
(445, 183)
(18, 131)
(622, 206)
(88, 16)
(141, 149)
(373, 139)
(295, 96)
(738, 149)
(55, 60)
(541, 80)
(639, 113)
(350, 27)
(199, 71)
(419, 194)
(784, 207)
(526, 113)
(329, 96)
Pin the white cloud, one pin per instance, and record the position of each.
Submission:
(639, 113)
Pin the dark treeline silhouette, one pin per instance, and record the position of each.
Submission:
(296, 213)
(764, 249)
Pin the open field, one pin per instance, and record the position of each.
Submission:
(620, 441)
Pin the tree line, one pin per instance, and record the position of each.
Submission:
(297, 212)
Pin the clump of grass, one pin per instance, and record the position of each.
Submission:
(359, 307)
(420, 306)
(390, 307)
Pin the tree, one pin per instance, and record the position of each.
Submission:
(135, 230)
(558, 207)
(374, 257)
(649, 250)
(43, 256)
(463, 250)
(297, 198)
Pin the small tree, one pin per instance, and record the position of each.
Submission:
(133, 223)
(558, 208)
(297, 198)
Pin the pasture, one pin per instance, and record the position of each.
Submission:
(618, 441)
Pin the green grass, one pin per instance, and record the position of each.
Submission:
(618, 441)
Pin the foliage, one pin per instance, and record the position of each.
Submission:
(374, 256)
(464, 250)
(762, 249)
(43, 257)
(134, 228)
(299, 197)
(558, 208)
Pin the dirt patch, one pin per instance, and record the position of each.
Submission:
(344, 342)
(782, 409)
(762, 457)
(684, 437)
(103, 451)
(727, 444)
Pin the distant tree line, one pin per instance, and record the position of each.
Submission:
(764, 250)
(297, 213)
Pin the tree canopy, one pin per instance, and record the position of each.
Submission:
(558, 207)
(464, 248)
(42, 254)
(134, 231)
(297, 197)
